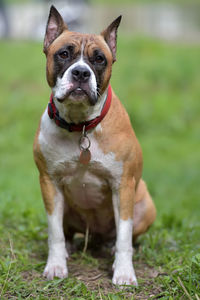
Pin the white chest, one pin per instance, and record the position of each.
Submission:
(85, 185)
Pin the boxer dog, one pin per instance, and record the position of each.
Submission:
(89, 159)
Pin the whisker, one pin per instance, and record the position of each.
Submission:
(98, 93)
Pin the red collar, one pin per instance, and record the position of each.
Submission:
(54, 114)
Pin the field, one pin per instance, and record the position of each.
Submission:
(159, 84)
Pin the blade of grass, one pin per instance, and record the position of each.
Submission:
(184, 288)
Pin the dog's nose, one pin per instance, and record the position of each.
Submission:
(81, 73)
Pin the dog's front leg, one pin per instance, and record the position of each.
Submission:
(54, 202)
(123, 209)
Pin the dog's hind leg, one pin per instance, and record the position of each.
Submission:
(144, 210)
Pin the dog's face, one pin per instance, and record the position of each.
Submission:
(78, 65)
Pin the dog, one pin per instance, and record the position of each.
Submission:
(87, 154)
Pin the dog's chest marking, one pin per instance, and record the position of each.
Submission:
(85, 186)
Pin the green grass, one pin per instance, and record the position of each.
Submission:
(159, 83)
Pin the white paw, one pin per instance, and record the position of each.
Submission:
(124, 275)
(53, 269)
(124, 278)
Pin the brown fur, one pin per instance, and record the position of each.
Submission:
(144, 211)
(117, 136)
(47, 187)
(90, 43)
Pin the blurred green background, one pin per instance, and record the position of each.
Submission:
(157, 78)
(158, 82)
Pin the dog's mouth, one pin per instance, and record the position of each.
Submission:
(79, 94)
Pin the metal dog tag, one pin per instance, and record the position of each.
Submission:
(84, 144)
(85, 156)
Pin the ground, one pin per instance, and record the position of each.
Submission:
(159, 85)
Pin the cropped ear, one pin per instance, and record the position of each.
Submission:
(55, 26)
(110, 36)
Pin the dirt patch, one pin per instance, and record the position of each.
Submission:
(98, 278)
(96, 274)
(94, 269)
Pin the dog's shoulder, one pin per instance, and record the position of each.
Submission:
(118, 137)
(117, 134)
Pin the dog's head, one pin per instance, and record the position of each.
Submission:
(78, 65)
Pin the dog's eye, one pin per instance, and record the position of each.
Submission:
(64, 54)
(99, 59)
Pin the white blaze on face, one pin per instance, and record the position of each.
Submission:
(65, 83)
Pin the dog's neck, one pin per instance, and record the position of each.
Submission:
(79, 112)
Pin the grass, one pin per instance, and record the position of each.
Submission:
(159, 85)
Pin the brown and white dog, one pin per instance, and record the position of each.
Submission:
(89, 159)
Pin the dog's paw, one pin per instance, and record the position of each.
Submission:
(124, 275)
(55, 270)
(124, 278)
